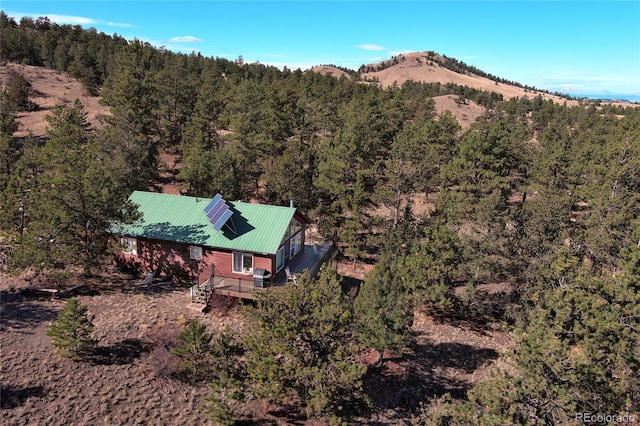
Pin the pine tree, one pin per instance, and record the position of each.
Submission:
(384, 306)
(194, 350)
(229, 384)
(71, 330)
(302, 347)
(18, 92)
(9, 149)
(73, 199)
(576, 352)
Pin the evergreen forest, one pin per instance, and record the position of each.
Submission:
(541, 197)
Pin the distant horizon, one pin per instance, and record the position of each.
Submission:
(578, 48)
(605, 96)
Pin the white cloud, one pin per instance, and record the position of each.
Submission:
(185, 39)
(370, 46)
(121, 25)
(69, 19)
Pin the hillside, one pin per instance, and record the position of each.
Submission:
(418, 67)
(331, 70)
(50, 88)
(55, 87)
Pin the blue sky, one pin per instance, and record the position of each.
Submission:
(576, 47)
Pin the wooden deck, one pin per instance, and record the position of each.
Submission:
(311, 258)
(239, 294)
(235, 287)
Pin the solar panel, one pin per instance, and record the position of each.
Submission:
(223, 219)
(215, 213)
(217, 217)
(214, 202)
(218, 212)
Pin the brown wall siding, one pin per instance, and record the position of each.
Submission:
(221, 260)
(173, 259)
(264, 262)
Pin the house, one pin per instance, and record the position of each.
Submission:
(197, 240)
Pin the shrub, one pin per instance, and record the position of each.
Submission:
(159, 359)
(194, 349)
(71, 330)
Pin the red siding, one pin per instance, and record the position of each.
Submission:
(263, 262)
(173, 259)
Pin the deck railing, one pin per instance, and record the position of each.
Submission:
(233, 284)
(327, 256)
(247, 286)
(225, 284)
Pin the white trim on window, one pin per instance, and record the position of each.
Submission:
(296, 244)
(294, 226)
(242, 263)
(195, 252)
(280, 259)
(129, 245)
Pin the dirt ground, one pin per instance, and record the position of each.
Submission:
(40, 388)
(50, 88)
(120, 388)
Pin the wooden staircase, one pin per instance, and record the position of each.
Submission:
(201, 295)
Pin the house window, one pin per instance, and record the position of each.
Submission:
(296, 244)
(129, 245)
(294, 226)
(280, 259)
(242, 263)
(195, 252)
(295, 237)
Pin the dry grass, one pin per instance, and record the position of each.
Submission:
(466, 113)
(119, 386)
(127, 382)
(416, 67)
(328, 69)
(51, 88)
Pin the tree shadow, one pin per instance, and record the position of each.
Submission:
(351, 286)
(160, 252)
(165, 231)
(120, 353)
(13, 397)
(259, 422)
(18, 313)
(291, 412)
(465, 317)
(426, 371)
(460, 356)
(158, 286)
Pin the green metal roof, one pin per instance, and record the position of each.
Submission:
(257, 228)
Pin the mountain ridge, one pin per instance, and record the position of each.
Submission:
(427, 67)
